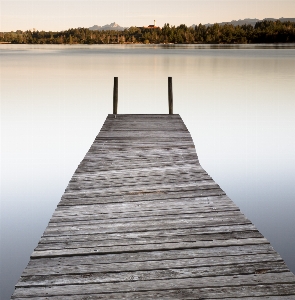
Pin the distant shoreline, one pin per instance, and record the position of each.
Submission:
(263, 32)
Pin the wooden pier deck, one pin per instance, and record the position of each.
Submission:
(141, 219)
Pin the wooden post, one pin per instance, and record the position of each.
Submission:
(170, 96)
(115, 96)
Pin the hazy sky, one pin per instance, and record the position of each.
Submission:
(64, 14)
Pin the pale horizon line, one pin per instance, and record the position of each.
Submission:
(233, 20)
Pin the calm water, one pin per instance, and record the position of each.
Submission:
(238, 104)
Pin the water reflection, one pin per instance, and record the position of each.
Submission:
(229, 46)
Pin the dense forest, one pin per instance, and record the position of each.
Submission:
(262, 32)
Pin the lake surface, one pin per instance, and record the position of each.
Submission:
(237, 102)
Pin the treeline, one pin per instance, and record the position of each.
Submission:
(262, 32)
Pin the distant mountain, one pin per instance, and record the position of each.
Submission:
(112, 26)
(250, 21)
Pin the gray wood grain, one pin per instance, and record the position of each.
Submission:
(91, 276)
(96, 198)
(257, 292)
(165, 264)
(49, 263)
(96, 249)
(133, 218)
(155, 285)
(149, 207)
(94, 241)
(140, 226)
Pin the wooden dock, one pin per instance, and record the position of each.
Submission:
(141, 219)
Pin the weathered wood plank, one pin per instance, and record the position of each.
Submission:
(148, 193)
(154, 285)
(140, 226)
(144, 208)
(147, 247)
(50, 264)
(164, 264)
(202, 233)
(127, 134)
(169, 197)
(129, 165)
(86, 276)
(258, 292)
(90, 241)
(184, 217)
(153, 205)
(130, 184)
(120, 179)
(77, 216)
(151, 171)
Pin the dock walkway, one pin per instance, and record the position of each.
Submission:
(141, 219)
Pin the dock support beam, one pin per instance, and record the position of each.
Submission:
(115, 96)
(170, 96)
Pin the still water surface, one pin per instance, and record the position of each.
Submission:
(237, 102)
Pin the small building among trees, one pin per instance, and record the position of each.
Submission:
(152, 26)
